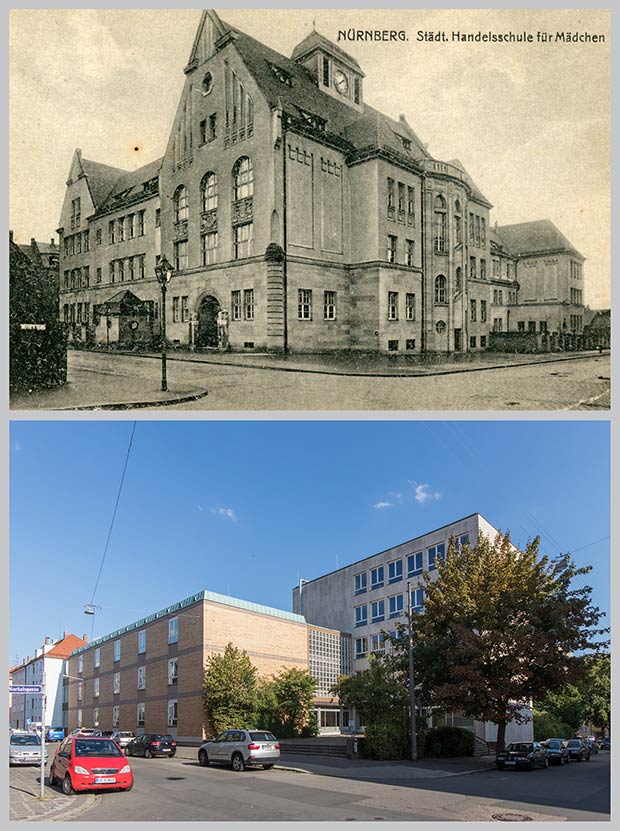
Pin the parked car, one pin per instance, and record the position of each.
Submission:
(123, 737)
(55, 734)
(579, 750)
(152, 744)
(523, 755)
(557, 751)
(240, 749)
(25, 749)
(606, 743)
(84, 763)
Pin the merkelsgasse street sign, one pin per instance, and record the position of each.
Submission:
(25, 688)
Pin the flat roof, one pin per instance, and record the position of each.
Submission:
(397, 545)
(213, 597)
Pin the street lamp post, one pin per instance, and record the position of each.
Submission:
(414, 740)
(163, 272)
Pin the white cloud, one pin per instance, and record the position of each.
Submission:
(379, 505)
(423, 494)
(226, 513)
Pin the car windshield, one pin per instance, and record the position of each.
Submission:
(520, 747)
(262, 737)
(99, 747)
(25, 740)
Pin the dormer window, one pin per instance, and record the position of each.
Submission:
(282, 75)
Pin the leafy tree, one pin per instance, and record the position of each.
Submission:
(380, 696)
(229, 690)
(500, 627)
(293, 692)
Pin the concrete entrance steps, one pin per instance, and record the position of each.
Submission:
(319, 746)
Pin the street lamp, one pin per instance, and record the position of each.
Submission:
(414, 739)
(163, 272)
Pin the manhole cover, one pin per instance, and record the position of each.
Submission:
(511, 816)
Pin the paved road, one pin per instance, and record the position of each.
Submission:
(179, 790)
(566, 385)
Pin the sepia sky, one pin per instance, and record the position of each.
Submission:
(529, 122)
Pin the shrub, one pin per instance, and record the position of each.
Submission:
(450, 741)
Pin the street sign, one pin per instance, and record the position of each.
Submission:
(26, 688)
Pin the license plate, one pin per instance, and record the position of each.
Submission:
(104, 780)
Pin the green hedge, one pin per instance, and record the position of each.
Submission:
(450, 741)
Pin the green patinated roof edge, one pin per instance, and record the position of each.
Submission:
(189, 601)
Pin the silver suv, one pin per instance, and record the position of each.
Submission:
(241, 749)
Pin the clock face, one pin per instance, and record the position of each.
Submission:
(341, 82)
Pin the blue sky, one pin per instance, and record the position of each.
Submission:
(247, 508)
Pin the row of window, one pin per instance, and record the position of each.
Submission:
(404, 208)
(173, 637)
(173, 715)
(123, 228)
(415, 565)
(395, 608)
(392, 250)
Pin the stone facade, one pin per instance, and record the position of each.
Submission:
(383, 247)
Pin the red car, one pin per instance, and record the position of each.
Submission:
(84, 763)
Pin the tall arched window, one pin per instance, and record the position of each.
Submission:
(181, 210)
(243, 179)
(208, 192)
(439, 230)
(441, 293)
(458, 222)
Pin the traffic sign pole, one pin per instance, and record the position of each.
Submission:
(43, 703)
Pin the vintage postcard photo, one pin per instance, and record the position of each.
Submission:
(310, 209)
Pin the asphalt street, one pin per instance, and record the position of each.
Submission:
(564, 385)
(179, 790)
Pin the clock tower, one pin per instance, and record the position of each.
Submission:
(334, 71)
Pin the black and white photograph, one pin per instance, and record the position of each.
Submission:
(310, 210)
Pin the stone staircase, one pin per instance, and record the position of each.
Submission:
(319, 746)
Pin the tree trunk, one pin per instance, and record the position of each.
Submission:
(501, 736)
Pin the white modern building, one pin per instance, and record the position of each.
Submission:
(368, 597)
(48, 662)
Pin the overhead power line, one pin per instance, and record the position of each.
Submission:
(118, 497)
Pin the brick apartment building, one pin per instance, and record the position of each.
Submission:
(147, 676)
(312, 219)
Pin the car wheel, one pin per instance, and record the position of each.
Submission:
(148, 754)
(203, 758)
(67, 787)
(237, 762)
(268, 767)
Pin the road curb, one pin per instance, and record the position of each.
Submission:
(353, 374)
(137, 405)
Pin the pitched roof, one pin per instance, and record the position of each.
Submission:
(108, 183)
(537, 237)
(65, 647)
(370, 127)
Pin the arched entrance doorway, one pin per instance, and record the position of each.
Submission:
(206, 331)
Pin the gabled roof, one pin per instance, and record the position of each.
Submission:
(315, 41)
(65, 647)
(538, 237)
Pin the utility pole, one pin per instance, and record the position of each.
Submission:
(414, 740)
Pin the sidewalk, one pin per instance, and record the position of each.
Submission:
(376, 365)
(369, 769)
(113, 392)
(25, 804)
